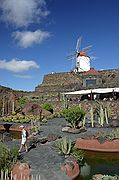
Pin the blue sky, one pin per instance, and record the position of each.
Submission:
(37, 35)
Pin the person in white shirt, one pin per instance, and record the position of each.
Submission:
(24, 139)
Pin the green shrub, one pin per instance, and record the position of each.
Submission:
(48, 106)
(7, 157)
(22, 101)
(73, 115)
(79, 155)
(14, 155)
(13, 113)
(114, 134)
(4, 157)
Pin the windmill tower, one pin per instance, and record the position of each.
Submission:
(82, 62)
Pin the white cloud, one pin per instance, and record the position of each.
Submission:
(16, 65)
(28, 38)
(22, 13)
(23, 76)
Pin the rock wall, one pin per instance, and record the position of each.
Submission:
(59, 82)
(110, 78)
(56, 83)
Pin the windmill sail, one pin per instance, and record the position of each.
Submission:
(78, 44)
(88, 48)
(82, 59)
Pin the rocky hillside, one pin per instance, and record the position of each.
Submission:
(7, 95)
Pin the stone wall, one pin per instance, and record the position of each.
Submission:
(86, 105)
(110, 78)
(113, 106)
(59, 82)
(69, 81)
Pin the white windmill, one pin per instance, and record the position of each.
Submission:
(82, 63)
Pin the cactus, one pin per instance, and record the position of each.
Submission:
(92, 116)
(108, 110)
(84, 121)
(101, 116)
(99, 120)
(64, 146)
(106, 115)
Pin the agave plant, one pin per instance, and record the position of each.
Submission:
(64, 146)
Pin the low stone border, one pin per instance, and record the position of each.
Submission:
(71, 168)
(94, 145)
(15, 127)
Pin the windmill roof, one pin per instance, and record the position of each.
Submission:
(82, 53)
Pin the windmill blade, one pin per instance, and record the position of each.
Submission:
(71, 56)
(93, 57)
(88, 48)
(78, 44)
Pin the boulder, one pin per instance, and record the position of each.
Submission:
(52, 137)
(114, 123)
(65, 129)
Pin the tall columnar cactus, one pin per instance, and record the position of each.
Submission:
(101, 116)
(84, 120)
(66, 146)
(108, 110)
(92, 116)
(106, 115)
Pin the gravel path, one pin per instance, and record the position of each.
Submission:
(44, 160)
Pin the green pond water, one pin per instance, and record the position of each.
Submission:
(99, 163)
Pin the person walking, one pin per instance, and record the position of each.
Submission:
(23, 139)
